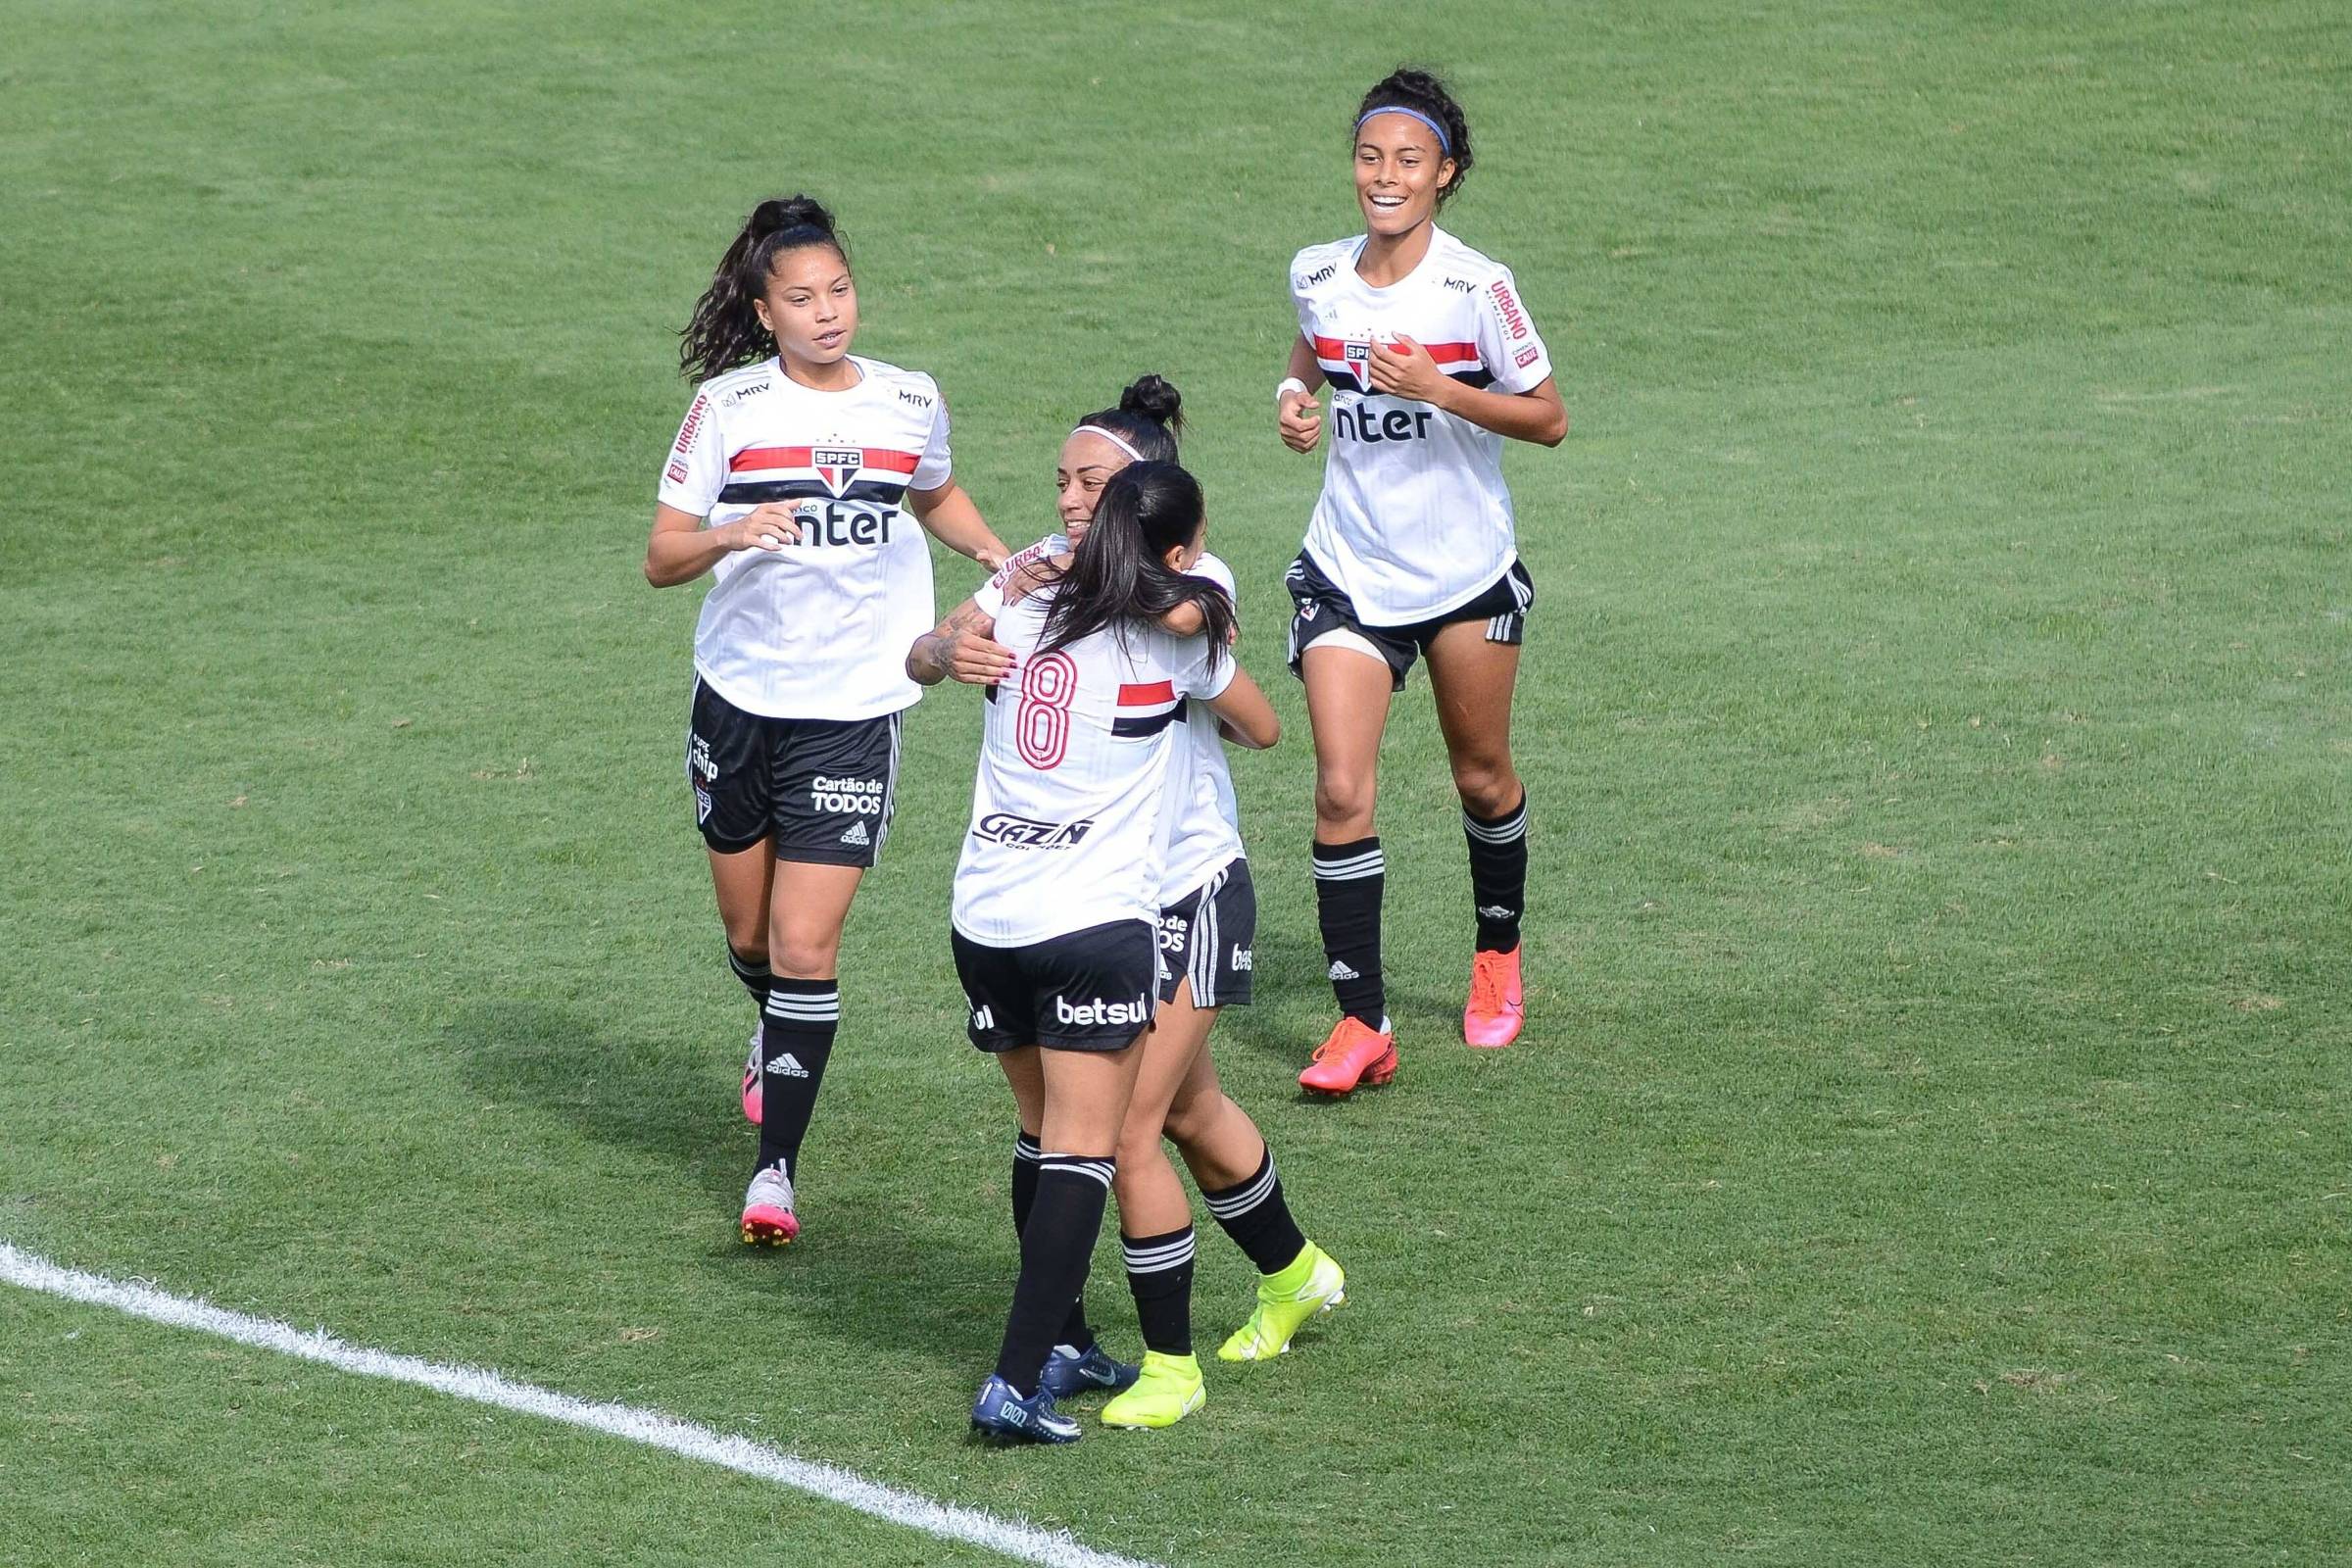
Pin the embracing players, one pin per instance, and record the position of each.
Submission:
(1057, 894)
(791, 482)
(1433, 361)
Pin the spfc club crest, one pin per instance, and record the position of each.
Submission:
(837, 466)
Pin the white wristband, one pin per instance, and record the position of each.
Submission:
(1290, 384)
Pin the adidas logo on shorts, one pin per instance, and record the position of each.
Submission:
(857, 836)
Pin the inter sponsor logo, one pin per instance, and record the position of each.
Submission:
(1096, 1011)
(1027, 833)
(1365, 424)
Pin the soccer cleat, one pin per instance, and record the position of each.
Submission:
(1355, 1054)
(1168, 1390)
(767, 1216)
(1496, 1009)
(752, 1098)
(1285, 1300)
(1004, 1416)
(1067, 1372)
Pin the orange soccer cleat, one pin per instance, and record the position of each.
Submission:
(1355, 1054)
(1495, 1009)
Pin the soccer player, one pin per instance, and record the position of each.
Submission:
(1058, 892)
(1433, 362)
(791, 483)
(1208, 925)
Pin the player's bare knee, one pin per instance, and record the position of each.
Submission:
(1488, 788)
(798, 956)
(1343, 806)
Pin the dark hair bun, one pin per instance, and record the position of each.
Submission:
(1154, 399)
(779, 213)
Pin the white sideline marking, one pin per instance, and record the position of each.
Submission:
(1023, 1543)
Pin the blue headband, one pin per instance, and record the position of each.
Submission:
(1444, 143)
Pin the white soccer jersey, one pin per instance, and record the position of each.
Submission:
(1204, 820)
(1414, 518)
(1074, 758)
(819, 629)
(989, 597)
(1201, 819)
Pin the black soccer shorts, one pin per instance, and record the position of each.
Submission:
(818, 790)
(1209, 937)
(1092, 990)
(1322, 607)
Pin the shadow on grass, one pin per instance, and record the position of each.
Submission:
(898, 1272)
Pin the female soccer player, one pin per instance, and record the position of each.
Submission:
(1208, 924)
(1433, 361)
(1058, 892)
(789, 482)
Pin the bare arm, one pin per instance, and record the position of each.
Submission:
(1243, 716)
(1407, 371)
(1298, 417)
(963, 646)
(950, 517)
(681, 548)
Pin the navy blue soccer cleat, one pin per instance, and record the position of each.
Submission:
(1095, 1372)
(1004, 1416)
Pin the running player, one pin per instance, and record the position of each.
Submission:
(1208, 932)
(1433, 361)
(790, 483)
(1073, 763)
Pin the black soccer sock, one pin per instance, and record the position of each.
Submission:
(796, 1041)
(1076, 1332)
(1159, 1271)
(1258, 1219)
(1498, 874)
(1056, 1245)
(1349, 880)
(755, 974)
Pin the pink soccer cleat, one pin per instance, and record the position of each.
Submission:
(767, 1216)
(752, 1099)
(1491, 1019)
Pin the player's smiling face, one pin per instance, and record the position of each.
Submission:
(1086, 465)
(810, 305)
(1398, 173)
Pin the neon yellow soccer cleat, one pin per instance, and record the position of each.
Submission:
(1313, 1283)
(1168, 1391)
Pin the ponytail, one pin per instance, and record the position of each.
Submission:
(1119, 574)
(725, 330)
(1146, 421)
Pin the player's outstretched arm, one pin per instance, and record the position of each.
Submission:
(951, 517)
(1243, 716)
(962, 647)
(681, 548)
(1404, 370)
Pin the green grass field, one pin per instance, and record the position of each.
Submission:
(1933, 1140)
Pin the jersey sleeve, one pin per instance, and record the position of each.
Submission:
(1196, 678)
(933, 469)
(1507, 340)
(696, 469)
(989, 597)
